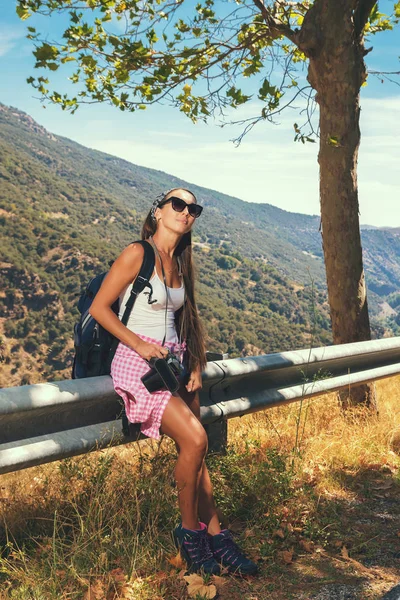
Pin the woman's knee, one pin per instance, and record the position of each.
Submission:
(196, 444)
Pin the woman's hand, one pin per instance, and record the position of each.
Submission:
(148, 350)
(195, 382)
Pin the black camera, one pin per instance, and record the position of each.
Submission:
(165, 374)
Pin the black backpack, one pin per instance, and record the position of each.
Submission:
(95, 346)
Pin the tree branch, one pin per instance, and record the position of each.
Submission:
(276, 27)
(362, 13)
(384, 75)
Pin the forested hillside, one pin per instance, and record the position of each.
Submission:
(66, 212)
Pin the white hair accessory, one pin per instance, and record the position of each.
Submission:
(159, 199)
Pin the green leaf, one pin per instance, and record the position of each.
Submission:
(378, 21)
(334, 141)
(374, 14)
(114, 40)
(151, 36)
(45, 52)
(23, 12)
(267, 90)
(237, 96)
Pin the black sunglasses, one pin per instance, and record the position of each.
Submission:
(179, 205)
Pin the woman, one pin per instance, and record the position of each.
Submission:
(167, 320)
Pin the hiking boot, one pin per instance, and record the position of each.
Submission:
(229, 555)
(195, 549)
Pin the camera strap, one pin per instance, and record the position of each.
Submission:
(166, 301)
(166, 293)
(165, 286)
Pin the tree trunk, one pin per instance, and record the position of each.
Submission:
(337, 71)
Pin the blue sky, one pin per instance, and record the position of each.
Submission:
(267, 167)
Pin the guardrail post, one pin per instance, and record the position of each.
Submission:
(217, 434)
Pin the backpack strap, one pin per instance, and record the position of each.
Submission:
(142, 280)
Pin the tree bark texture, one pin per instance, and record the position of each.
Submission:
(336, 71)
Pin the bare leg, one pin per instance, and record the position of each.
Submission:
(206, 505)
(207, 510)
(197, 492)
(181, 425)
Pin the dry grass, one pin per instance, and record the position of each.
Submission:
(99, 527)
(325, 436)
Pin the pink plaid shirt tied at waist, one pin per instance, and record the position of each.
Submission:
(141, 406)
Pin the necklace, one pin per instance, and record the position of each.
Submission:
(170, 270)
(165, 254)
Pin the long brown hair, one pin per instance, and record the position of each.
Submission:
(187, 318)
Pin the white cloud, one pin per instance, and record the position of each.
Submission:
(255, 172)
(171, 134)
(267, 167)
(9, 39)
(378, 161)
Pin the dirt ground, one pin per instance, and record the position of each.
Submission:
(363, 563)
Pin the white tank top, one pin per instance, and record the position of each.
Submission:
(149, 319)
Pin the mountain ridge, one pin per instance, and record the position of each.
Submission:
(66, 211)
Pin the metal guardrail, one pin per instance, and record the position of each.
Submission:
(46, 422)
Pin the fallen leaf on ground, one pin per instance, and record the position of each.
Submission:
(118, 575)
(60, 573)
(279, 533)
(307, 545)
(96, 591)
(219, 581)
(197, 587)
(126, 592)
(286, 556)
(177, 561)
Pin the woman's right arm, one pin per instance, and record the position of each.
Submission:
(123, 272)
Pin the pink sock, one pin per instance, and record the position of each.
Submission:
(202, 527)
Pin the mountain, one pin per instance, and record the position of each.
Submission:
(66, 211)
